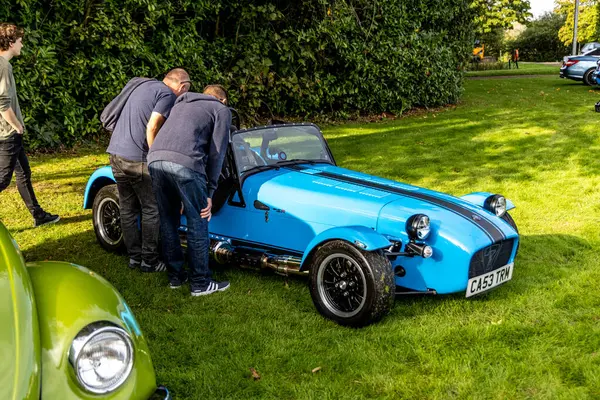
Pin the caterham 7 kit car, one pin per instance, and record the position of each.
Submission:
(283, 204)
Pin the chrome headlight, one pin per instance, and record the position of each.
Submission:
(496, 204)
(102, 357)
(418, 226)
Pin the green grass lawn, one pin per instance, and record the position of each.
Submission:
(525, 68)
(538, 336)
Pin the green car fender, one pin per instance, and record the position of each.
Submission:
(19, 337)
(68, 298)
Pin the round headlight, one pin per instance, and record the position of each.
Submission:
(418, 226)
(496, 204)
(102, 357)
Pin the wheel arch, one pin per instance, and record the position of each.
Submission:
(361, 237)
(100, 178)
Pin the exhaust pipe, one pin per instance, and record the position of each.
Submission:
(223, 252)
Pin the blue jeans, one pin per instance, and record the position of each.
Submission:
(174, 184)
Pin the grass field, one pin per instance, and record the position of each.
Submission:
(525, 68)
(538, 336)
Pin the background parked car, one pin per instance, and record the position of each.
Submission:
(581, 67)
(67, 333)
(589, 47)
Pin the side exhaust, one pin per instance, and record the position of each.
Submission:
(223, 252)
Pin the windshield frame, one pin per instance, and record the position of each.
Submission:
(318, 134)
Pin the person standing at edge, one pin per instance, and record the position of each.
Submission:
(185, 162)
(142, 115)
(12, 127)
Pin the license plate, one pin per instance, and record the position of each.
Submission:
(485, 282)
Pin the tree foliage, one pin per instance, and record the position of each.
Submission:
(301, 58)
(491, 15)
(588, 24)
(540, 41)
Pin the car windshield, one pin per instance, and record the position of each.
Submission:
(275, 146)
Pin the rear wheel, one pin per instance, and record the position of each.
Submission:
(351, 286)
(588, 78)
(107, 219)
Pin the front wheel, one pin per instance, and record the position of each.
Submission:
(107, 219)
(350, 286)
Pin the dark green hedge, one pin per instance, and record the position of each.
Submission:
(285, 58)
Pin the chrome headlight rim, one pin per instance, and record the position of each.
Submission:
(418, 227)
(84, 337)
(496, 204)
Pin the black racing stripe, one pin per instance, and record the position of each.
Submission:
(491, 230)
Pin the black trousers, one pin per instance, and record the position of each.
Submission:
(136, 198)
(14, 159)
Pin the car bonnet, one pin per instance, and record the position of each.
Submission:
(494, 228)
(19, 334)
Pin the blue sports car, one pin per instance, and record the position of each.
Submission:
(283, 204)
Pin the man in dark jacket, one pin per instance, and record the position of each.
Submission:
(142, 112)
(185, 162)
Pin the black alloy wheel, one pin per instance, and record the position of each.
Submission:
(107, 219)
(351, 286)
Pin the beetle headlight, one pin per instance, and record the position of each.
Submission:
(418, 226)
(496, 204)
(102, 357)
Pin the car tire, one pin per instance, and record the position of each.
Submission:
(350, 286)
(107, 219)
(510, 221)
(588, 79)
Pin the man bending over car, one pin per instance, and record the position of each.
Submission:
(185, 162)
(136, 116)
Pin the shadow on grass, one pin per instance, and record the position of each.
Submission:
(63, 221)
(542, 260)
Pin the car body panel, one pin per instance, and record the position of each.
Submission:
(19, 338)
(576, 71)
(69, 297)
(101, 177)
(360, 236)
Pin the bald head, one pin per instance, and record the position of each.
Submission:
(178, 81)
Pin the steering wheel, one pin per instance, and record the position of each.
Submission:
(247, 157)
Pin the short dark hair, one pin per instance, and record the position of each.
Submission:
(9, 34)
(216, 90)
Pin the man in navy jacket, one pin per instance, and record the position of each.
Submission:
(185, 162)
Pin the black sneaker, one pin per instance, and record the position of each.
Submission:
(211, 288)
(177, 282)
(158, 267)
(45, 218)
(133, 263)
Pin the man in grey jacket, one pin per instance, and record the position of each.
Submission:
(12, 127)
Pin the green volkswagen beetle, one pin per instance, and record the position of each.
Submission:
(67, 333)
